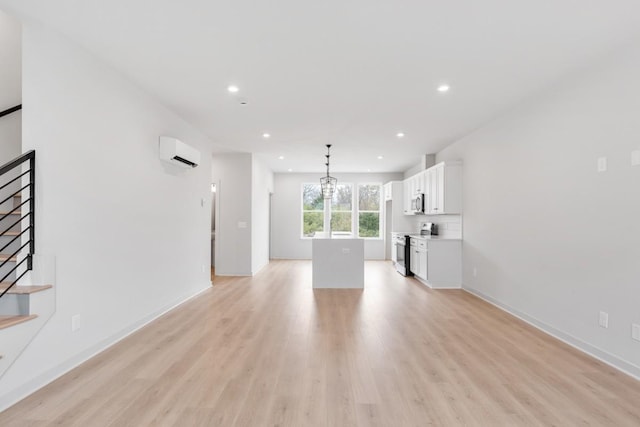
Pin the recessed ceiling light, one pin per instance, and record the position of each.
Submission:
(444, 88)
(233, 88)
(368, 170)
(380, 157)
(281, 157)
(289, 170)
(400, 135)
(266, 135)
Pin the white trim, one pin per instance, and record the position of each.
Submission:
(380, 213)
(260, 268)
(602, 355)
(11, 398)
(302, 210)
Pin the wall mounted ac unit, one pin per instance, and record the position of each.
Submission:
(176, 152)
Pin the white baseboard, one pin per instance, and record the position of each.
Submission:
(233, 274)
(603, 356)
(11, 398)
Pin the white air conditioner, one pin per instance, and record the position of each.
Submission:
(176, 152)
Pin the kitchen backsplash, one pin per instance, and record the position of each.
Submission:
(449, 226)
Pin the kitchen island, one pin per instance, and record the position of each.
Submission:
(338, 263)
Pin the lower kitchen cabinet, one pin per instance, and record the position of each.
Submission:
(437, 262)
(444, 263)
(418, 262)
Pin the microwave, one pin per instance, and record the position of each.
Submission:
(417, 204)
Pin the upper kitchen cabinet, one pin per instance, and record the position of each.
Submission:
(407, 192)
(445, 189)
(388, 191)
(413, 186)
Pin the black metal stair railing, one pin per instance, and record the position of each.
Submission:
(27, 180)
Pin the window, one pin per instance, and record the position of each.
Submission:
(342, 210)
(312, 210)
(369, 210)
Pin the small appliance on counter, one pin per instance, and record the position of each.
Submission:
(429, 229)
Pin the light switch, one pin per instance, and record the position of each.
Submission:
(602, 164)
(75, 322)
(346, 250)
(603, 320)
(635, 158)
(242, 224)
(635, 331)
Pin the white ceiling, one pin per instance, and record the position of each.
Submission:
(348, 72)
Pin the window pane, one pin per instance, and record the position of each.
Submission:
(312, 197)
(312, 222)
(341, 222)
(369, 224)
(369, 197)
(342, 198)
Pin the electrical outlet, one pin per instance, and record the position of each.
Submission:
(635, 158)
(635, 331)
(475, 272)
(204, 268)
(602, 164)
(604, 320)
(75, 323)
(346, 250)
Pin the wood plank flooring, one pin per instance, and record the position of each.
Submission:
(270, 351)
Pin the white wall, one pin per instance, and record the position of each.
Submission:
(10, 87)
(261, 189)
(232, 172)
(128, 232)
(551, 238)
(287, 216)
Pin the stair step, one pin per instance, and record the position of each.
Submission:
(24, 290)
(12, 213)
(10, 233)
(3, 258)
(7, 321)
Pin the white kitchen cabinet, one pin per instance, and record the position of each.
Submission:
(414, 185)
(418, 262)
(414, 261)
(437, 262)
(388, 191)
(420, 183)
(444, 263)
(406, 193)
(445, 188)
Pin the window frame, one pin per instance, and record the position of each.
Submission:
(352, 211)
(379, 211)
(302, 211)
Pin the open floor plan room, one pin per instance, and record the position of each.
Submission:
(270, 350)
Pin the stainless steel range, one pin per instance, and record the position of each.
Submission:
(402, 246)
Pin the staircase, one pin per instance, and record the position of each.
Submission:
(21, 301)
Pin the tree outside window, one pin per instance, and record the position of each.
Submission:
(312, 210)
(369, 210)
(342, 210)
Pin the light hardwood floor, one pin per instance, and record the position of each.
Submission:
(269, 351)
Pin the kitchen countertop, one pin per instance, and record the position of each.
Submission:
(418, 236)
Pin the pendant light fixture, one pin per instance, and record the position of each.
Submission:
(328, 183)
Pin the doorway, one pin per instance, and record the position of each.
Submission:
(214, 204)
